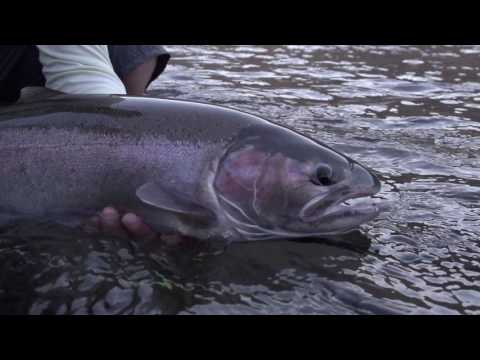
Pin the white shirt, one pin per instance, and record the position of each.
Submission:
(79, 69)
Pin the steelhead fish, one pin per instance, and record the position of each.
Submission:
(199, 170)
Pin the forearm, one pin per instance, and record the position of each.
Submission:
(137, 80)
(138, 65)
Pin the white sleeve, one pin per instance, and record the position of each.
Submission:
(79, 69)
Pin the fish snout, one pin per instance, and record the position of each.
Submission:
(363, 182)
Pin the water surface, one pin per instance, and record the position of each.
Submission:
(411, 113)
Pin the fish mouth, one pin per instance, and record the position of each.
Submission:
(354, 208)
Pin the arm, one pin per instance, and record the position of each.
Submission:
(138, 65)
(137, 80)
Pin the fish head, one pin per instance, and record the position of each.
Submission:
(277, 183)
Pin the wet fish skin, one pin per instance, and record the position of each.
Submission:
(69, 154)
(73, 153)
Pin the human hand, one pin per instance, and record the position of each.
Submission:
(129, 225)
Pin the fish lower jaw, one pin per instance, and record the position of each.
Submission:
(361, 209)
(364, 207)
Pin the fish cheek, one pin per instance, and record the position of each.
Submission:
(270, 189)
(237, 175)
(299, 187)
(229, 187)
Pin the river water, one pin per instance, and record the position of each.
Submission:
(410, 113)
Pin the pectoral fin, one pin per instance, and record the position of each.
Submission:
(167, 199)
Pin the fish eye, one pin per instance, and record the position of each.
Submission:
(323, 175)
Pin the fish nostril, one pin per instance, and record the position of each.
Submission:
(323, 175)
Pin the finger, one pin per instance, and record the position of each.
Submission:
(110, 222)
(136, 227)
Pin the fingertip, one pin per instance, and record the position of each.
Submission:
(109, 211)
(131, 220)
(136, 227)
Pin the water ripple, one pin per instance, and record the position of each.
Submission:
(411, 113)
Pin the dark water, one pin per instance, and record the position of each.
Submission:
(411, 113)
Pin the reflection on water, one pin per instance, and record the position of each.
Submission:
(409, 112)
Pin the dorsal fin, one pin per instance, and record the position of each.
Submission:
(36, 93)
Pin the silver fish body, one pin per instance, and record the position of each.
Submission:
(172, 162)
